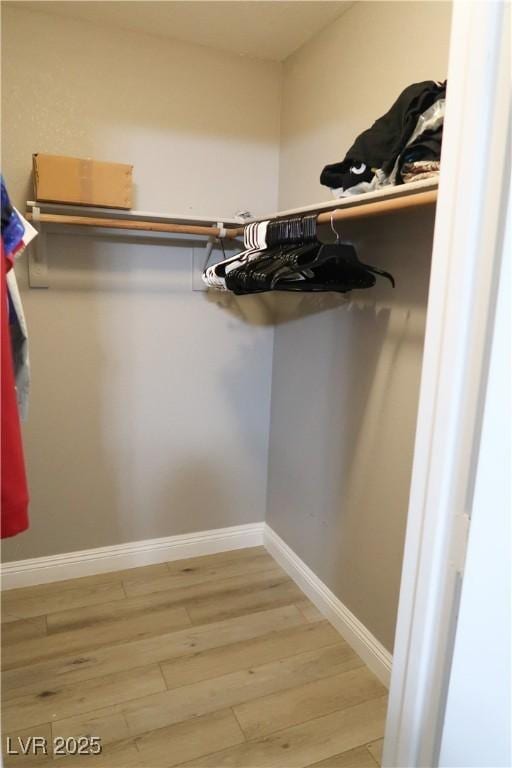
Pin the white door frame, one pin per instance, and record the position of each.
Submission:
(468, 243)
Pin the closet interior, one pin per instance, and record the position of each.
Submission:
(227, 372)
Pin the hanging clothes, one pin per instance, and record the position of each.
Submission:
(12, 226)
(19, 345)
(287, 255)
(370, 162)
(14, 494)
(17, 233)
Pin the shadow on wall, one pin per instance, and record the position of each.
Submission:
(85, 262)
(328, 374)
(91, 261)
(139, 401)
(376, 243)
(274, 307)
(344, 406)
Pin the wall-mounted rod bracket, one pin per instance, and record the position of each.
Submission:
(155, 226)
(37, 254)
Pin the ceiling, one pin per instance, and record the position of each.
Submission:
(267, 29)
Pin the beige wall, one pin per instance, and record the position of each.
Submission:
(139, 406)
(77, 88)
(346, 372)
(348, 75)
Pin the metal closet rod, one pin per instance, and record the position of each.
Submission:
(346, 213)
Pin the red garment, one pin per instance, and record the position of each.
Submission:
(14, 517)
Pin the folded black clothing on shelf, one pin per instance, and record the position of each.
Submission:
(378, 147)
(426, 147)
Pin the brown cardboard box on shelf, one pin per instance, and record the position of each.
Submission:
(84, 182)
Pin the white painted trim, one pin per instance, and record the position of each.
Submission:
(89, 562)
(385, 193)
(350, 628)
(465, 264)
(43, 570)
(130, 215)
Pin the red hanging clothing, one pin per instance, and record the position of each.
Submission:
(14, 517)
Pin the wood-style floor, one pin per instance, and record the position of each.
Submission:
(215, 661)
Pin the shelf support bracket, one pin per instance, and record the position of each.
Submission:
(37, 256)
(201, 258)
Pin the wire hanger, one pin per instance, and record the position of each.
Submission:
(334, 229)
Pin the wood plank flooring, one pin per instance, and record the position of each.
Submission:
(213, 661)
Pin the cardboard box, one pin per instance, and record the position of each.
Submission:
(85, 182)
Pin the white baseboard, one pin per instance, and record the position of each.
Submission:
(43, 570)
(373, 653)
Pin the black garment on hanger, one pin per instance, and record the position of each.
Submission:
(287, 243)
(380, 145)
(336, 268)
(296, 260)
